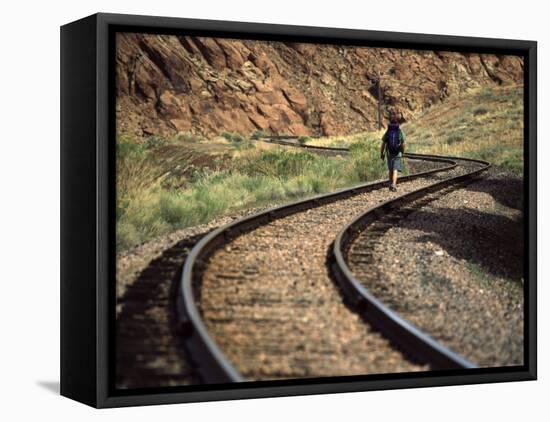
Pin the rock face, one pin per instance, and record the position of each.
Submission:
(168, 84)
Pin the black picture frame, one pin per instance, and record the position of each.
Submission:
(88, 193)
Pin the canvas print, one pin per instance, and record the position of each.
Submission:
(293, 211)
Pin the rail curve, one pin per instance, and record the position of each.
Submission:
(210, 361)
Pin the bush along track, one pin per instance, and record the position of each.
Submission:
(261, 342)
(165, 185)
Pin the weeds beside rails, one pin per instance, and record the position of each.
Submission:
(164, 185)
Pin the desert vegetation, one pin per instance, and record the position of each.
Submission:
(167, 184)
(164, 184)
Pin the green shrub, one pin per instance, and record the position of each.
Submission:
(454, 138)
(257, 134)
(480, 111)
(186, 137)
(237, 137)
(513, 161)
(487, 94)
(233, 137)
(173, 207)
(244, 145)
(155, 141)
(227, 135)
(279, 164)
(365, 156)
(126, 235)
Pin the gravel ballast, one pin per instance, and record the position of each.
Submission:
(149, 352)
(454, 268)
(267, 299)
(269, 302)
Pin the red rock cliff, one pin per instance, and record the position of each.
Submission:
(168, 84)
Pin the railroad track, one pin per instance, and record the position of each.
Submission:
(202, 339)
(294, 142)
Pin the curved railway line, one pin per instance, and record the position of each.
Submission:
(211, 324)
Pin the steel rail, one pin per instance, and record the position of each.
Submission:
(210, 362)
(406, 336)
(283, 140)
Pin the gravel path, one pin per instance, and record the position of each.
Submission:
(454, 268)
(269, 302)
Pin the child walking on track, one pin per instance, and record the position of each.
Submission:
(393, 146)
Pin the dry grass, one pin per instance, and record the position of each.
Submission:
(485, 124)
(344, 141)
(166, 185)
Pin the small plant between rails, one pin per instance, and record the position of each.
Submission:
(208, 358)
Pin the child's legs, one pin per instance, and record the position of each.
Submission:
(393, 177)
